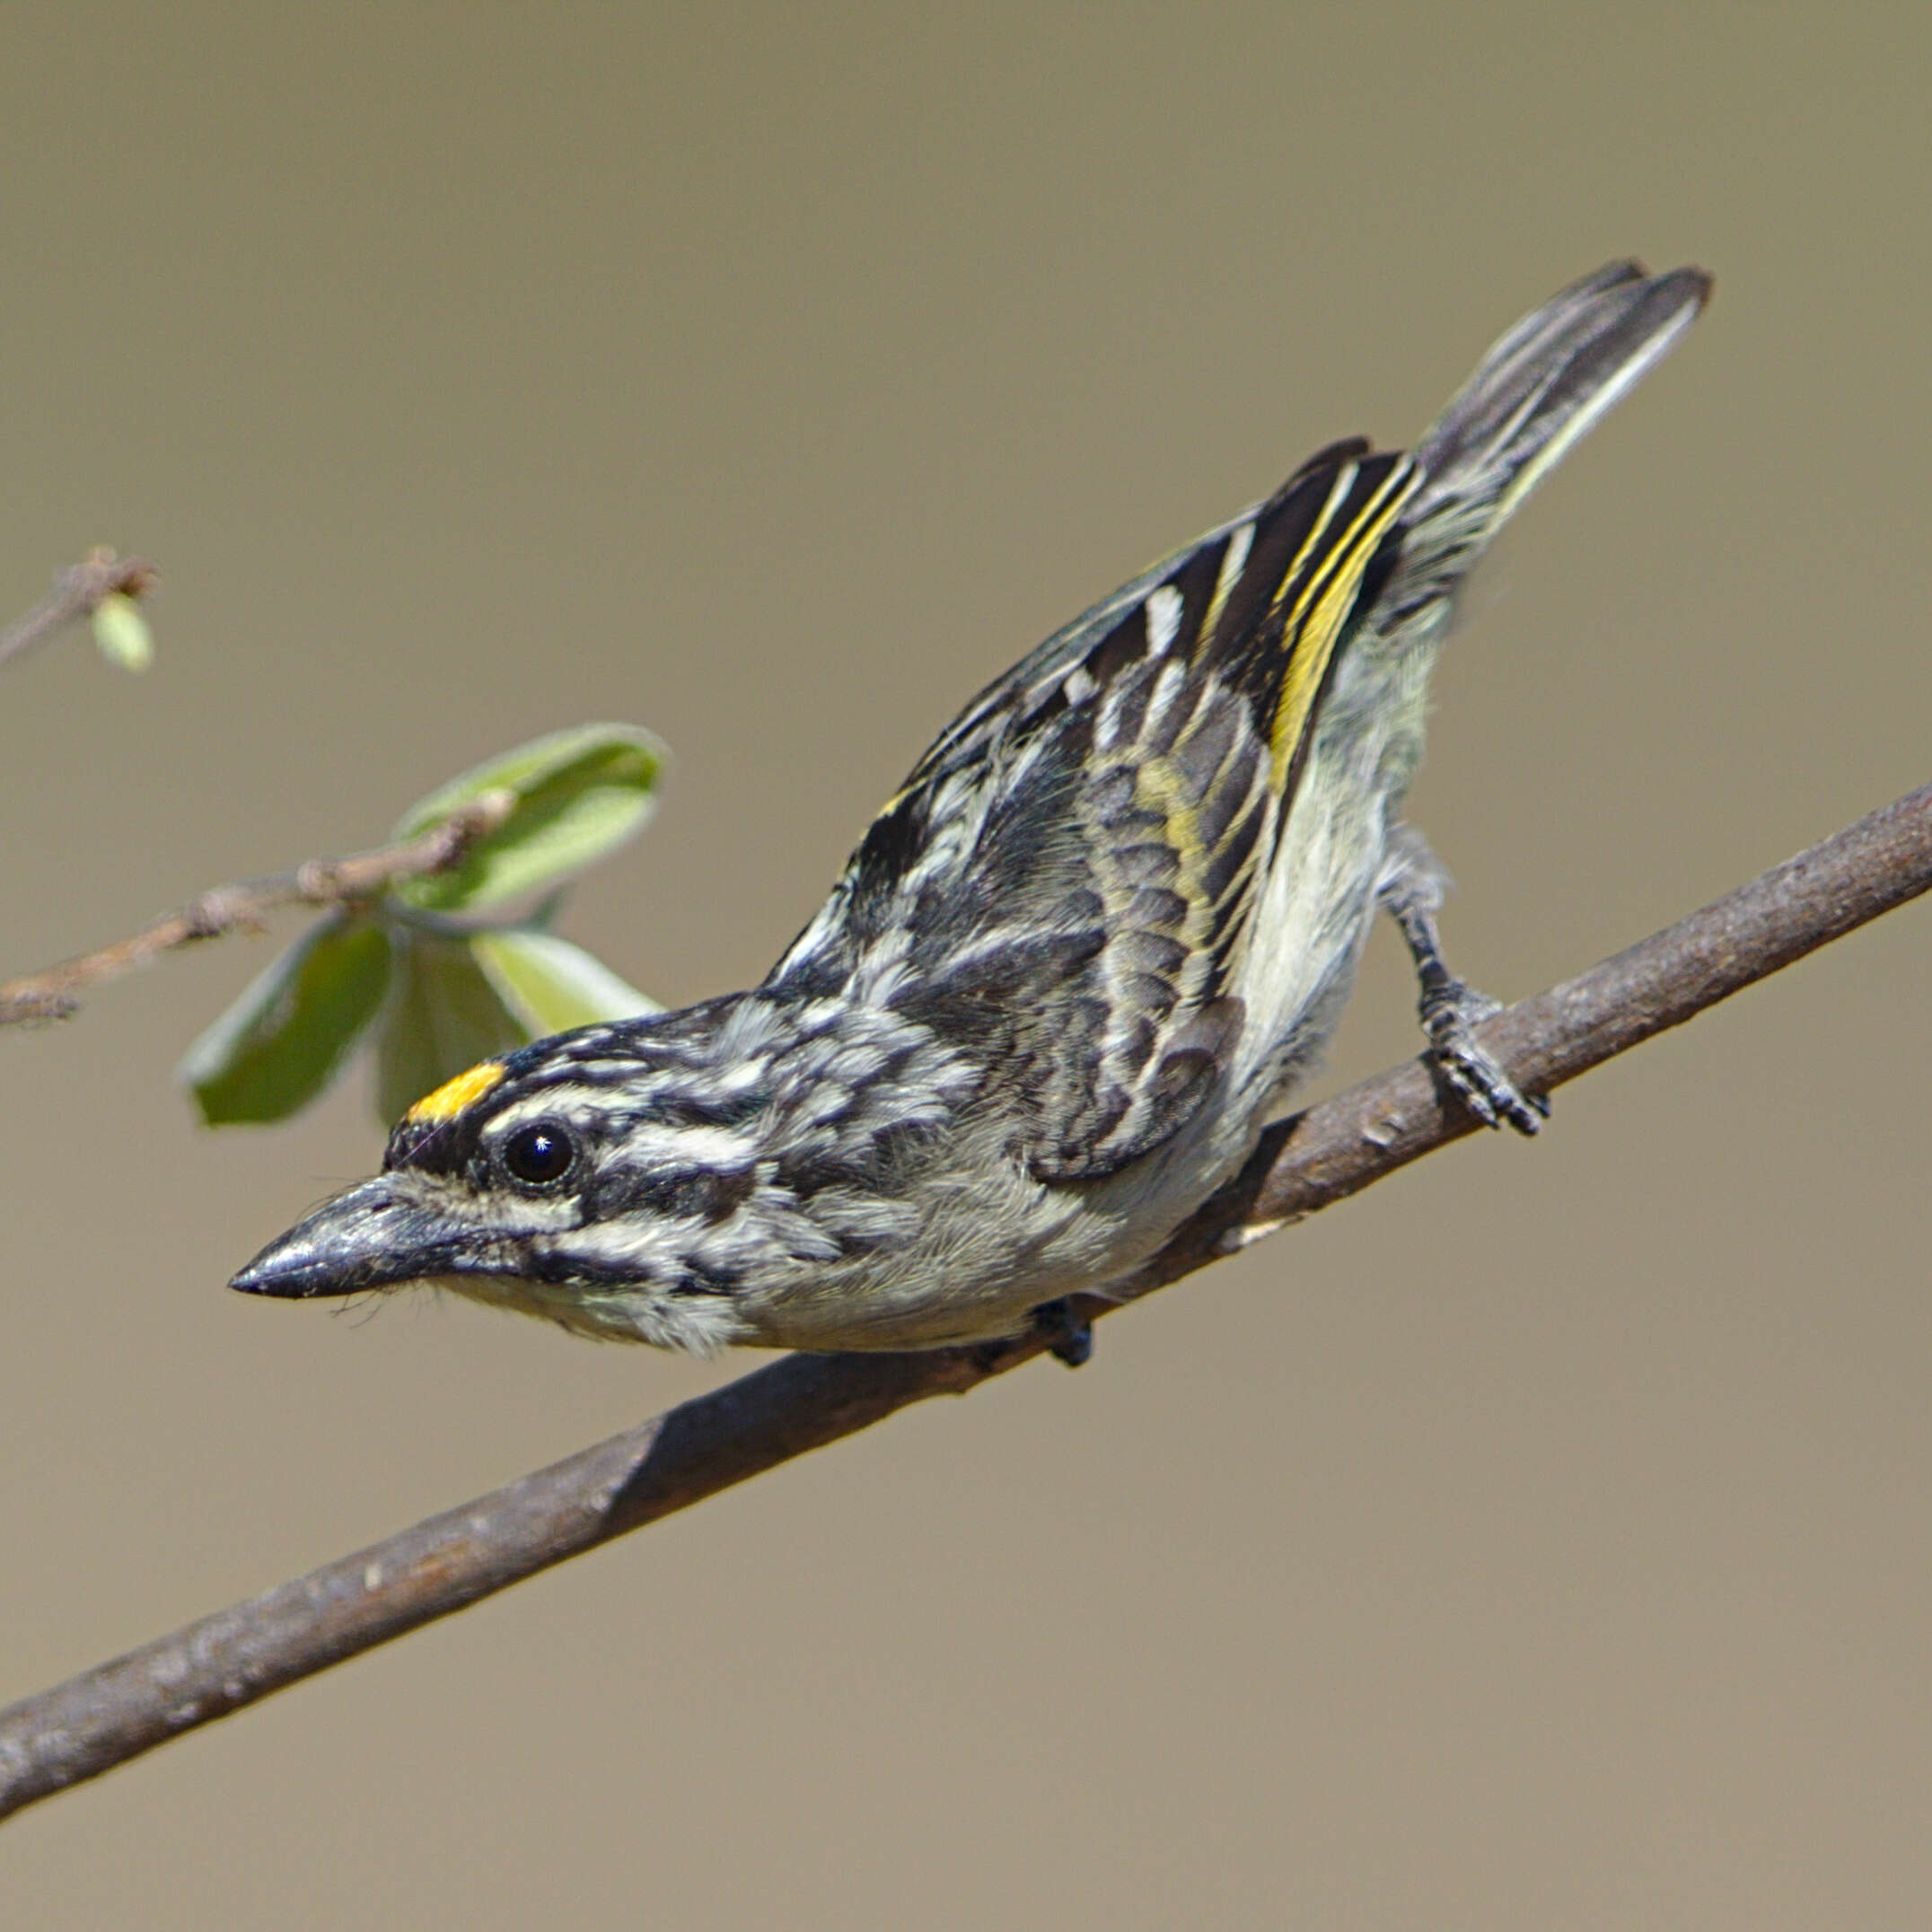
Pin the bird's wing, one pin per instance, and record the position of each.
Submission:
(1076, 861)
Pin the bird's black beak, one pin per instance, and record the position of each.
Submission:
(369, 1236)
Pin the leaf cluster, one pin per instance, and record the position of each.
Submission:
(424, 973)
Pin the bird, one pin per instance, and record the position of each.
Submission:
(1076, 964)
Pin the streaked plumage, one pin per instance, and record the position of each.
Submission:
(1075, 965)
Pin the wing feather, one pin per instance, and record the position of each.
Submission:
(1073, 867)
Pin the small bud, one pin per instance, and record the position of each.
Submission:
(122, 633)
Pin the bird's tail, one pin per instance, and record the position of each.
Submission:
(1543, 385)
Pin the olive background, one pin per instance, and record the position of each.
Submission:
(1538, 1539)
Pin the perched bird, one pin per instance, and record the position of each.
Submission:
(1076, 964)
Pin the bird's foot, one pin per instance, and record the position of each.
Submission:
(1451, 1014)
(1069, 1335)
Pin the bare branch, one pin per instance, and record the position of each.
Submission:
(360, 877)
(102, 1718)
(77, 593)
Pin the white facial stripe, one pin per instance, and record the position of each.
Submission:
(592, 1108)
(633, 1244)
(689, 1146)
(574, 1106)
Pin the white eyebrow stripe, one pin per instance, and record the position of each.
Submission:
(590, 1108)
(689, 1146)
(574, 1106)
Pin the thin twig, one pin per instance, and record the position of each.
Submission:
(77, 593)
(102, 1718)
(360, 877)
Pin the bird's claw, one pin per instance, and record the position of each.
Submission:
(1069, 1335)
(1451, 1014)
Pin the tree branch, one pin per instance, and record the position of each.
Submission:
(77, 593)
(319, 881)
(106, 1715)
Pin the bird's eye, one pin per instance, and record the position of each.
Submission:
(539, 1154)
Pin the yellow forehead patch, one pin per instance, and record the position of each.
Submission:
(452, 1096)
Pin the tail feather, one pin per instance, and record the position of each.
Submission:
(1541, 386)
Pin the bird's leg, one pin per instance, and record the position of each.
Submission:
(1069, 1337)
(1411, 892)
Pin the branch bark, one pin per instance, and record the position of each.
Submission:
(106, 1715)
(77, 593)
(49, 995)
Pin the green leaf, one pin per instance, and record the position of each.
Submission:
(121, 634)
(442, 1017)
(578, 794)
(280, 1044)
(551, 985)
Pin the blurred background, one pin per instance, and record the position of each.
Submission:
(1541, 1539)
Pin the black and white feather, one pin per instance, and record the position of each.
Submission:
(1073, 965)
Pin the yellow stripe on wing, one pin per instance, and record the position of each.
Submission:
(1315, 621)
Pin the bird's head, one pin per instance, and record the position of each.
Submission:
(650, 1179)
